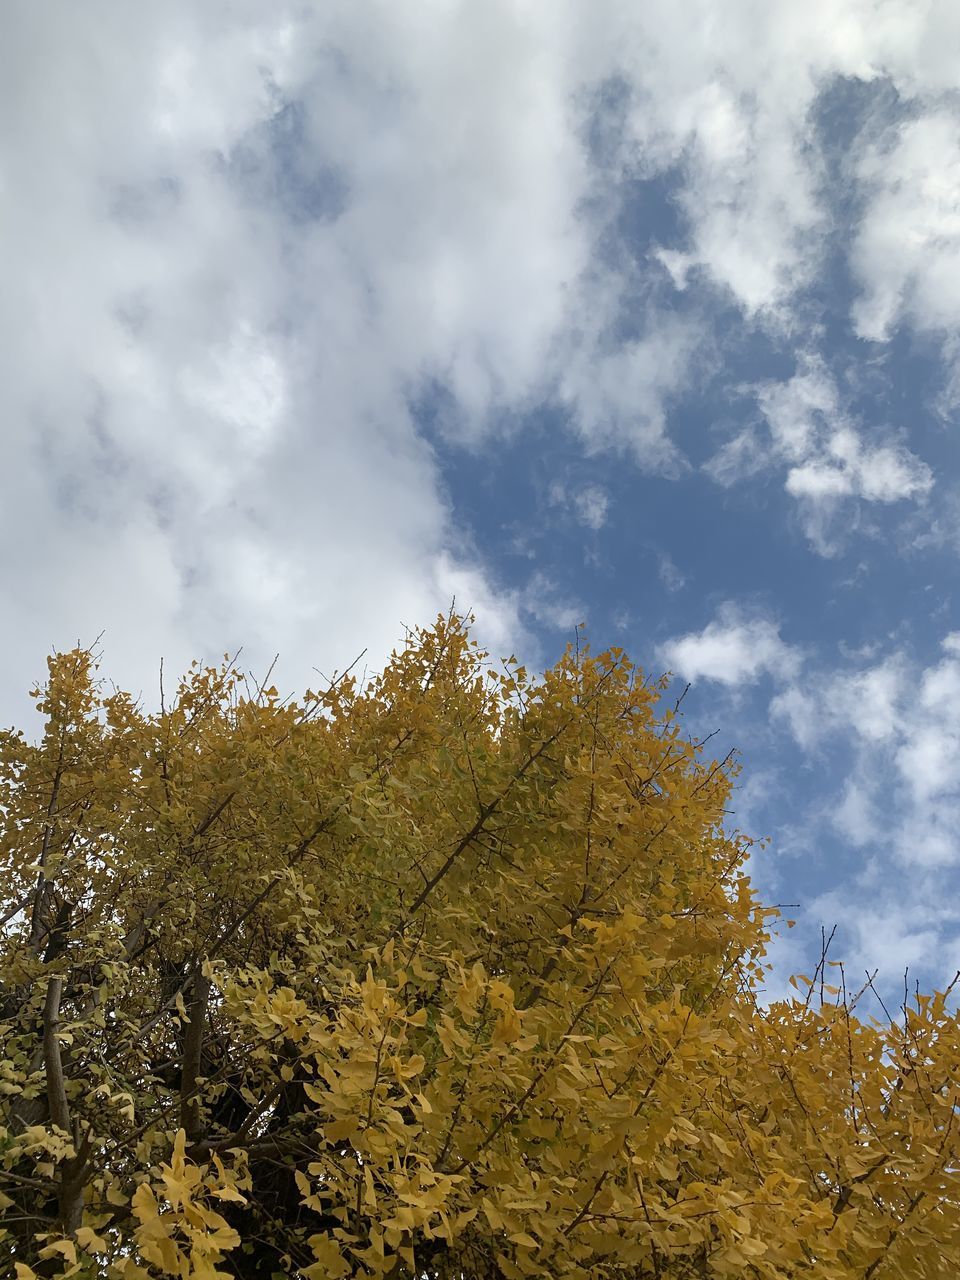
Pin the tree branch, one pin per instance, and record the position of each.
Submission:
(56, 1087)
(191, 1115)
(72, 1176)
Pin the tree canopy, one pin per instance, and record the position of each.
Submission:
(456, 972)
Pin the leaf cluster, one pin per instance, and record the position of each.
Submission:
(455, 973)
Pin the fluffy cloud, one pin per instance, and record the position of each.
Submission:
(881, 735)
(867, 702)
(828, 463)
(902, 724)
(250, 244)
(732, 103)
(245, 243)
(906, 250)
(589, 504)
(734, 649)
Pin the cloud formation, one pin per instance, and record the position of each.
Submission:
(906, 249)
(890, 729)
(249, 243)
(245, 242)
(734, 649)
(904, 726)
(830, 463)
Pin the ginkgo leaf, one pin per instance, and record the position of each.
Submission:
(88, 1239)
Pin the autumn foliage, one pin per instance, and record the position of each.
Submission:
(453, 974)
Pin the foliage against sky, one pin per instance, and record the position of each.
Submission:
(450, 975)
(638, 314)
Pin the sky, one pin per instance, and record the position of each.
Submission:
(646, 316)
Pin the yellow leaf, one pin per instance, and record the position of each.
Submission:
(88, 1239)
(144, 1203)
(66, 1248)
(337, 1130)
(507, 1028)
(522, 1238)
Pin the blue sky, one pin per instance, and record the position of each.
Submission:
(641, 316)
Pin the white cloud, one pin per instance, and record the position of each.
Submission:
(796, 410)
(884, 929)
(732, 102)
(905, 249)
(868, 703)
(857, 816)
(743, 456)
(734, 649)
(801, 712)
(591, 505)
(897, 802)
(669, 573)
(205, 396)
(678, 266)
(244, 240)
(545, 601)
(588, 504)
(828, 461)
(620, 397)
(901, 794)
(906, 252)
(882, 734)
(815, 481)
(810, 428)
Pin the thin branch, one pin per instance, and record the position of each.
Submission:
(16, 909)
(486, 812)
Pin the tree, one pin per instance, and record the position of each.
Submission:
(454, 974)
